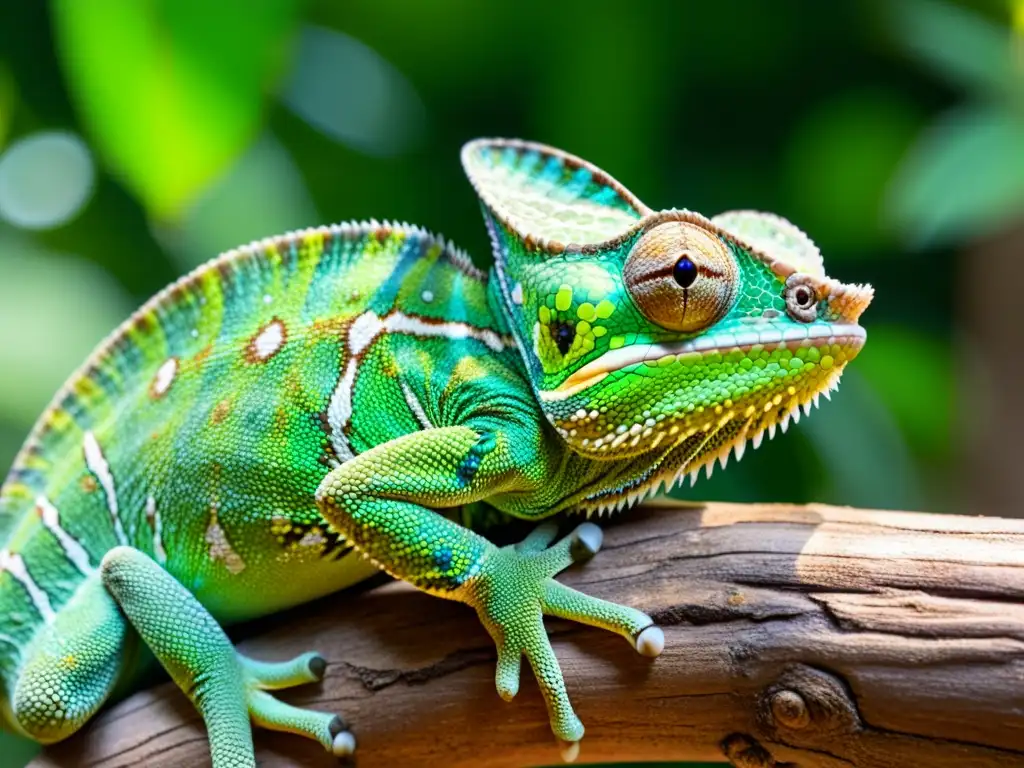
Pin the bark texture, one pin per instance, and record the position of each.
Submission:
(810, 636)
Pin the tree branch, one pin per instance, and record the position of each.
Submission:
(811, 636)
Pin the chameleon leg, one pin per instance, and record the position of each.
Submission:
(268, 712)
(71, 666)
(383, 500)
(200, 658)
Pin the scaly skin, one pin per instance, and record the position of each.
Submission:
(309, 408)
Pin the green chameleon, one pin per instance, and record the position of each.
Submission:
(308, 409)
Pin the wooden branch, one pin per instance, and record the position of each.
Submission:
(812, 636)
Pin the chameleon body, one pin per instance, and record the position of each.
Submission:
(307, 409)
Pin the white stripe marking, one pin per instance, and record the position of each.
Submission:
(269, 341)
(97, 464)
(14, 565)
(340, 411)
(398, 322)
(74, 551)
(362, 333)
(154, 522)
(164, 377)
(415, 406)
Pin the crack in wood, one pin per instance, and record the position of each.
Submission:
(375, 680)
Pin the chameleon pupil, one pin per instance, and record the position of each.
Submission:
(563, 335)
(685, 272)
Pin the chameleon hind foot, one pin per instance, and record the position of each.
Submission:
(515, 588)
(228, 689)
(268, 712)
(71, 665)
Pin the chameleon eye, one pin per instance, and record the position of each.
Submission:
(681, 276)
(801, 298)
(563, 335)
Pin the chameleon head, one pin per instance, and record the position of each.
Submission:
(664, 334)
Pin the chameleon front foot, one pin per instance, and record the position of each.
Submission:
(268, 712)
(515, 588)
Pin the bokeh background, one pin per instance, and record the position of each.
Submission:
(139, 138)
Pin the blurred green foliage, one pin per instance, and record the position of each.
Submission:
(889, 129)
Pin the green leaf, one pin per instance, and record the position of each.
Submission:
(963, 178)
(262, 195)
(171, 91)
(962, 46)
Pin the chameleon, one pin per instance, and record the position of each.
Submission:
(308, 410)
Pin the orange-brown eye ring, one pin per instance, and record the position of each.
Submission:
(681, 276)
(801, 298)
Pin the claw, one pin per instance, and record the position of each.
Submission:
(344, 744)
(317, 667)
(587, 541)
(570, 751)
(651, 641)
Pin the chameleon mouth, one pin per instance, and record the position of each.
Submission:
(770, 338)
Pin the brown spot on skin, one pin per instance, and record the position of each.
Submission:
(281, 420)
(179, 293)
(202, 356)
(327, 328)
(88, 483)
(220, 547)
(221, 411)
(145, 323)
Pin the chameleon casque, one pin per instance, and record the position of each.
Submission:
(308, 409)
